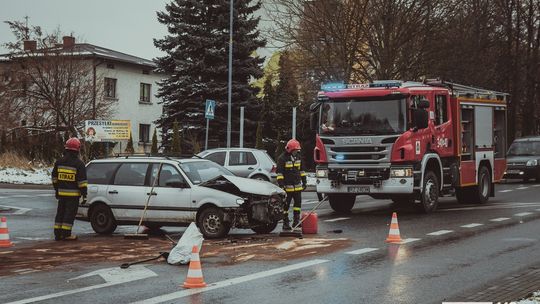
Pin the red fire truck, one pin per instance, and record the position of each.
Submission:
(410, 142)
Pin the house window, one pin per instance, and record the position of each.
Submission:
(144, 133)
(110, 87)
(145, 92)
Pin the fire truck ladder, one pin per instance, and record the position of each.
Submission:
(460, 90)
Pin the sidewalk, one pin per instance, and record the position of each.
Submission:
(508, 288)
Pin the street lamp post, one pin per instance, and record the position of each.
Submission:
(229, 97)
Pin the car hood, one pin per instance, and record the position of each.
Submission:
(254, 186)
(511, 160)
(245, 185)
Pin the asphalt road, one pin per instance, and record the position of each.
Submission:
(444, 256)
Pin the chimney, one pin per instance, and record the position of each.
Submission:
(69, 41)
(30, 45)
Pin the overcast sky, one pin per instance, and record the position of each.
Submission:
(127, 26)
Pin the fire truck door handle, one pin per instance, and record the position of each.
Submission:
(113, 192)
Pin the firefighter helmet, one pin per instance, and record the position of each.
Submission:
(292, 145)
(73, 144)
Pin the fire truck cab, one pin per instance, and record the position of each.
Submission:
(410, 142)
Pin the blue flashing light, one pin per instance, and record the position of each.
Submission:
(340, 157)
(333, 86)
(385, 84)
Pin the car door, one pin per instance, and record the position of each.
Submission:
(129, 190)
(242, 163)
(171, 199)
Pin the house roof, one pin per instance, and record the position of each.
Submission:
(86, 49)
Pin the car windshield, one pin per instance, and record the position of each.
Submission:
(363, 117)
(524, 148)
(202, 171)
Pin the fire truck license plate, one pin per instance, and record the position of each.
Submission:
(362, 189)
(513, 171)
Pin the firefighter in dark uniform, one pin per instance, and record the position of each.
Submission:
(69, 181)
(292, 179)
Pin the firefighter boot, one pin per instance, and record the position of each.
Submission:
(296, 220)
(58, 234)
(286, 224)
(71, 237)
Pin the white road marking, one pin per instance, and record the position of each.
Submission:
(495, 206)
(19, 211)
(33, 238)
(535, 185)
(362, 251)
(440, 232)
(507, 190)
(338, 219)
(171, 297)
(500, 219)
(45, 194)
(522, 188)
(523, 214)
(112, 276)
(409, 240)
(472, 225)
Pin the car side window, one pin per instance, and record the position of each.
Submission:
(100, 173)
(169, 174)
(237, 158)
(131, 174)
(217, 157)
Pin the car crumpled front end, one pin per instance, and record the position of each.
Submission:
(259, 203)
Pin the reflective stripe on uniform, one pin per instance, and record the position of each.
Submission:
(302, 173)
(279, 176)
(66, 227)
(67, 169)
(289, 164)
(297, 163)
(83, 184)
(69, 192)
(57, 226)
(297, 209)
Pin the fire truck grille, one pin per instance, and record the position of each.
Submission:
(360, 154)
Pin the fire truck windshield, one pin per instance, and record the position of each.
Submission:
(349, 117)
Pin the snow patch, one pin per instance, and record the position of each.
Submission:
(21, 176)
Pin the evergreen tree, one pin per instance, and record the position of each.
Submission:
(129, 147)
(286, 97)
(176, 148)
(154, 149)
(259, 140)
(196, 59)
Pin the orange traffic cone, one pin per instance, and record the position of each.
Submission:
(4, 234)
(194, 276)
(393, 235)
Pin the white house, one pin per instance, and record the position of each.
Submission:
(128, 81)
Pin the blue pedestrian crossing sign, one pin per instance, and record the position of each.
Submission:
(210, 109)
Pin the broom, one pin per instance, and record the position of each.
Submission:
(137, 235)
(294, 232)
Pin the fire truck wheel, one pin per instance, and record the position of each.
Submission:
(482, 191)
(430, 194)
(342, 203)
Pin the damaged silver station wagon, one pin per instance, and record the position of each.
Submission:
(184, 191)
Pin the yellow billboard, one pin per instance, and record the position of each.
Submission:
(107, 130)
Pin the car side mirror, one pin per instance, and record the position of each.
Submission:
(176, 183)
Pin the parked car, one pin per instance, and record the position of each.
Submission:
(184, 191)
(244, 162)
(523, 159)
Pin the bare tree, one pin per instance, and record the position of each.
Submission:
(51, 86)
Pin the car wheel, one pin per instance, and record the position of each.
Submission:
(429, 199)
(260, 177)
(464, 195)
(264, 228)
(342, 203)
(211, 223)
(481, 192)
(102, 219)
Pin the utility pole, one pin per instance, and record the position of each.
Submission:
(229, 97)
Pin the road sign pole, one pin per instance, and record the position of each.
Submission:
(241, 127)
(206, 140)
(294, 123)
(229, 95)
